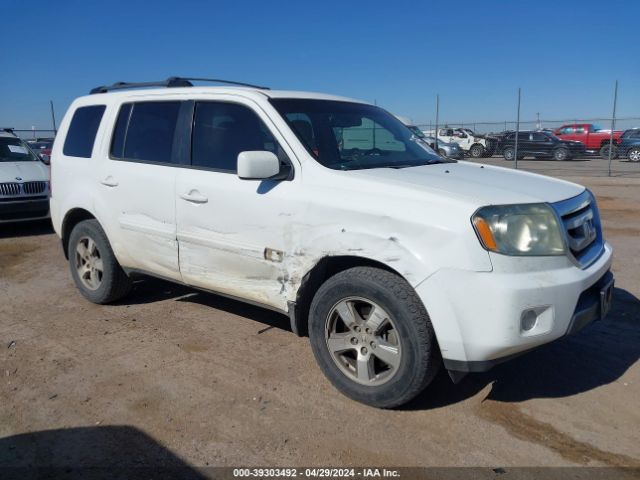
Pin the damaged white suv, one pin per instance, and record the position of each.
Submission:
(392, 259)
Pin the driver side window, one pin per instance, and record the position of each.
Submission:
(222, 130)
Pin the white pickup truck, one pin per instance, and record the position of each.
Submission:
(393, 260)
(473, 144)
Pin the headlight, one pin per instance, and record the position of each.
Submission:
(530, 229)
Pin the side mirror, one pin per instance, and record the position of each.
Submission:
(46, 159)
(257, 165)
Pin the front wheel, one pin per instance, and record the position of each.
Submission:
(372, 337)
(509, 154)
(477, 151)
(634, 155)
(94, 268)
(561, 154)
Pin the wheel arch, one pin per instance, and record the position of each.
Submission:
(71, 219)
(324, 269)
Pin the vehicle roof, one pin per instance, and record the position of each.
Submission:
(200, 90)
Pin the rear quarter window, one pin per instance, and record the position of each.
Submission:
(82, 131)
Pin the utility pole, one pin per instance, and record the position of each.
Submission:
(437, 118)
(613, 124)
(538, 125)
(517, 130)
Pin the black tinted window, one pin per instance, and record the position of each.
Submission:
(222, 130)
(150, 133)
(82, 131)
(120, 130)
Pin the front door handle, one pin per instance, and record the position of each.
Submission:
(194, 196)
(109, 182)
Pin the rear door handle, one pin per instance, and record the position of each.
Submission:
(194, 196)
(109, 182)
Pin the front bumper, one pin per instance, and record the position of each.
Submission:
(478, 316)
(30, 208)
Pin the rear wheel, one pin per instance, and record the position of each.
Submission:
(372, 337)
(604, 151)
(561, 154)
(94, 267)
(634, 155)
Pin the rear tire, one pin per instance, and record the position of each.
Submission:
(383, 359)
(604, 152)
(94, 267)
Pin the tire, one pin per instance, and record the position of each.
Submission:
(604, 151)
(401, 334)
(561, 154)
(634, 154)
(509, 154)
(89, 251)
(476, 151)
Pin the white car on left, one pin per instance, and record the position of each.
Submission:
(24, 181)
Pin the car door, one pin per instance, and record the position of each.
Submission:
(137, 183)
(233, 233)
(542, 144)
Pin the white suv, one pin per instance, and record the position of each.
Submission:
(24, 181)
(393, 260)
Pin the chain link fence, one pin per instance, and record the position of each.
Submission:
(541, 139)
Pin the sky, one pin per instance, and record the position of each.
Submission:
(565, 56)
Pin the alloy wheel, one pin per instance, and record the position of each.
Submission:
(89, 263)
(362, 340)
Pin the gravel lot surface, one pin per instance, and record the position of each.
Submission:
(175, 375)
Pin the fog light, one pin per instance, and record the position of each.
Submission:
(528, 320)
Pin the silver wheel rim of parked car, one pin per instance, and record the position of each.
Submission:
(634, 155)
(363, 341)
(89, 263)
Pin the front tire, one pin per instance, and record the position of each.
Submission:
(561, 154)
(634, 155)
(94, 268)
(372, 337)
(509, 154)
(477, 151)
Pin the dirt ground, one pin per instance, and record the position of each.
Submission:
(176, 376)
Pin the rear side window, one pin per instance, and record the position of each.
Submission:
(82, 131)
(145, 131)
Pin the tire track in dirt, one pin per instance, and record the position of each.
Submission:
(527, 428)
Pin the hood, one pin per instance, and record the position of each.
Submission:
(479, 184)
(26, 171)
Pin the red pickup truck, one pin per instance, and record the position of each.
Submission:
(592, 136)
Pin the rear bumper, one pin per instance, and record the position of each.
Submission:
(24, 209)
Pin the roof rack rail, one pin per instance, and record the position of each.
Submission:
(169, 82)
(7, 129)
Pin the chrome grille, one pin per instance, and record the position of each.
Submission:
(582, 228)
(34, 188)
(15, 189)
(10, 189)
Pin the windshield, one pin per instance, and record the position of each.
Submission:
(352, 136)
(12, 149)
